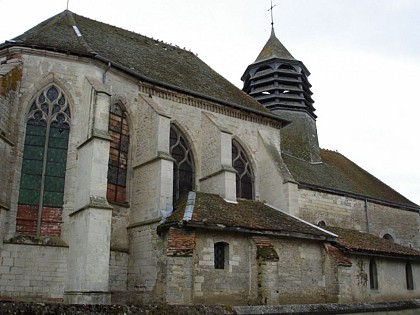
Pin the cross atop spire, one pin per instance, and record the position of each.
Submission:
(271, 9)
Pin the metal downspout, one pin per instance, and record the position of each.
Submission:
(367, 216)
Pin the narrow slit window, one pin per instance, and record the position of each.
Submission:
(409, 276)
(373, 274)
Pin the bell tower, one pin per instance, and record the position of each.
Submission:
(280, 82)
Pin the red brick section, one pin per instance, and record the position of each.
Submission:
(265, 249)
(338, 256)
(27, 217)
(115, 193)
(180, 242)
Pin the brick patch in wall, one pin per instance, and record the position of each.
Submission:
(27, 216)
(180, 242)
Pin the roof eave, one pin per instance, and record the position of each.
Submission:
(359, 196)
(92, 55)
(283, 122)
(399, 256)
(195, 224)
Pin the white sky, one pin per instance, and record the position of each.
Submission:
(364, 57)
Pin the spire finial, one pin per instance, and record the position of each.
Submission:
(271, 9)
(67, 4)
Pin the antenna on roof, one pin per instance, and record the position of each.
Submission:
(271, 9)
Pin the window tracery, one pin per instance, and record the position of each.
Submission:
(118, 154)
(183, 169)
(244, 174)
(42, 179)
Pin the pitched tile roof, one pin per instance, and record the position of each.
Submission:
(338, 173)
(152, 60)
(361, 242)
(212, 211)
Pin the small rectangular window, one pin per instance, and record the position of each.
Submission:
(220, 255)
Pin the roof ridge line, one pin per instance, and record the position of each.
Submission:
(301, 220)
(189, 208)
(53, 21)
(79, 35)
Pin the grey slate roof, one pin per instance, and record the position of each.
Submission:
(152, 60)
(339, 174)
(274, 49)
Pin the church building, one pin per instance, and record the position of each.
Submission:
(132, 172)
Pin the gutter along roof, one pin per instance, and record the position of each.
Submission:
(145, 58)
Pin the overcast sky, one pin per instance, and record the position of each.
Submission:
(364, 57)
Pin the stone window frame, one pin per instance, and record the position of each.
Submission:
(45, 151)
(373, 274)
(221, 255)
(247, 171)
(119, 193)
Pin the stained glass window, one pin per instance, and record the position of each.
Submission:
(118, 154)
(183, 169)
(44, 164)
(244, 175)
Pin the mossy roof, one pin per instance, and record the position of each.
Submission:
(274, 49)
(338, 173)
(151, 59)
(211, 210)
(361, 242)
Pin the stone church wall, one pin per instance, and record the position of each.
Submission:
(118, 267)
(33, 271)
(391, 281)
(347, 212)
(300, 274)
(236, 284)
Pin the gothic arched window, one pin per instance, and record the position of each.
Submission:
(244, 175)
(183, 174)
(373, 274)
(118, 154)
(42, 178)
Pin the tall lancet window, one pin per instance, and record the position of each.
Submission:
(118, 154)
(183, 174)
(43, 172)
(244, 175)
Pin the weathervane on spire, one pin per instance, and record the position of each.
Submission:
(271, 9)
